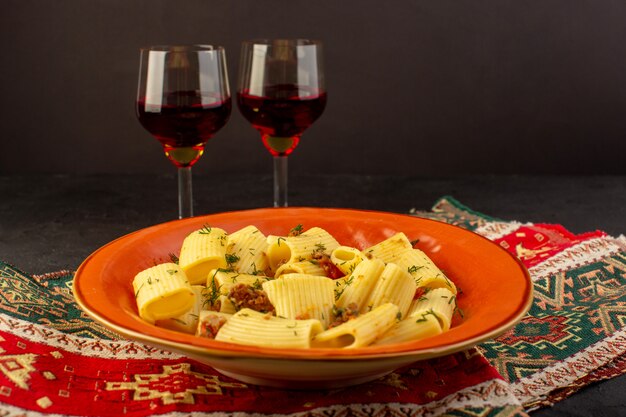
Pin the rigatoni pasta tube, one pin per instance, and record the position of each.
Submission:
(389, 249)
(162, 291)
(246, 249)
(346, 258)
(310, 267)
(230, 291)
(300, 296)
(188, 321)
(224, 280)
(249, 327)
(356, 288)
(307, 245)
(411, 328)
(394, 285)
(225, 305)
(360, 331)
(440, 301)
(202, 251)
(424, 271)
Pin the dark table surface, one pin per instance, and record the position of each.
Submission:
(52, 222)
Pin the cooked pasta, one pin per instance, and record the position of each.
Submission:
(230, 291)
(162, 292)
(346, 258)
(299, 290)
(389, 249)
(424, 270)
(412, 328)
(360, 331)
(309, 267)
(224, 280)
(301, 296)
(311, 244)
(394, 285)
(441, 302)
(202, 251)
(188, 321)
(249, 327)
(356, 288)
(246, 251)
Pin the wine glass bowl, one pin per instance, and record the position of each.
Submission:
(183, 99)
(281, 93)
(282, 114)
(184, 124)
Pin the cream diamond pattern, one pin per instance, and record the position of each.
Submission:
(18, 368)
(176, 384)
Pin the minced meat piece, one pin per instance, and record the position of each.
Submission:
(210, 325)
(342, 315)
(329, 268)
(245, 296)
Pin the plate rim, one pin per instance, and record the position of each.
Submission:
(231, 350)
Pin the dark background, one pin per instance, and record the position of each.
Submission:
(420, 88)
(426, 88)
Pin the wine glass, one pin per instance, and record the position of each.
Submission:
(281, 93)
(183, 99)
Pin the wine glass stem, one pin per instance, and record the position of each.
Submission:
(280, 181)
(185, 196)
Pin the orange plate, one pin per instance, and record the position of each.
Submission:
(496, 293)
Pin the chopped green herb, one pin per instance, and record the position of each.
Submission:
(319, 247)
(139, 289)
(226, 270)
(295, 231)
(231, 259)
(414, 268)
(257, 285)
(424, 314)
(206, 229)
(350, 280)
(255, 271)
(213, 293)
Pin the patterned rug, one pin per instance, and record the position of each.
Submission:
(55, 361)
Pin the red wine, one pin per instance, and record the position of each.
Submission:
(283, 112)
(183, 128)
